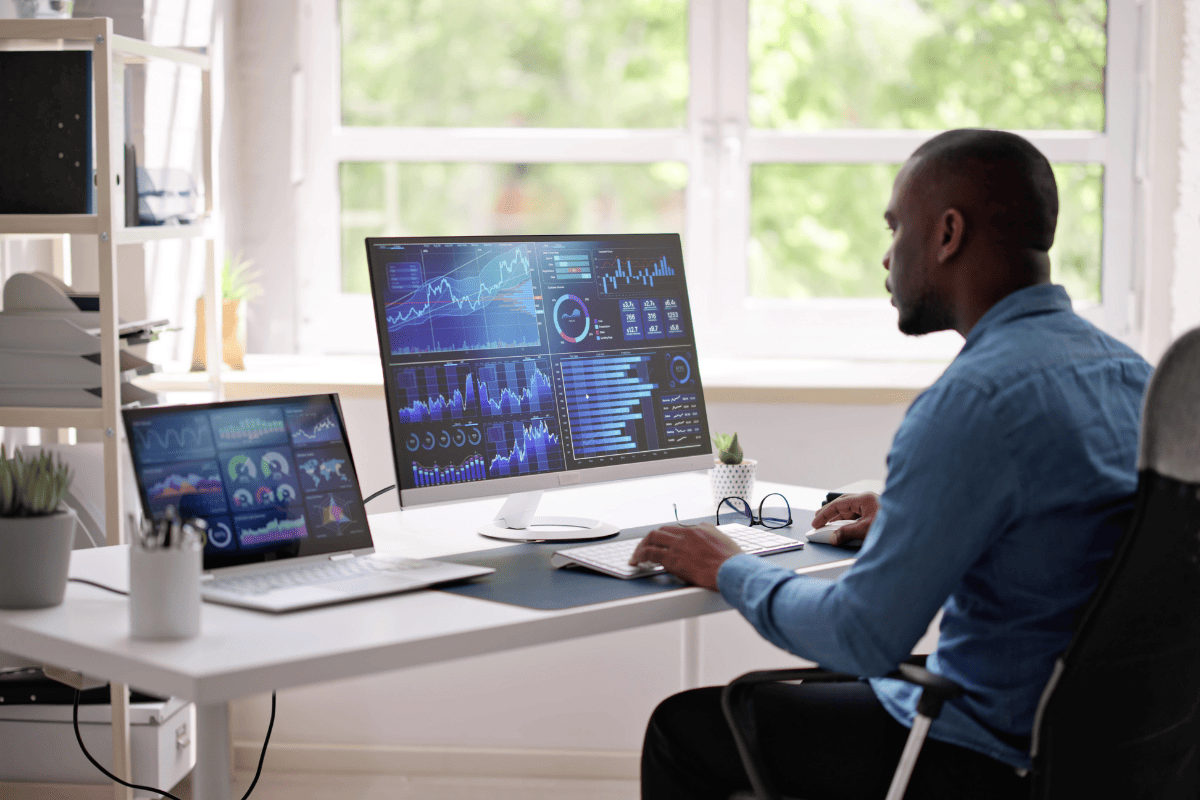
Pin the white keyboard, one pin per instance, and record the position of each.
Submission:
(612, 558)
(314, 574)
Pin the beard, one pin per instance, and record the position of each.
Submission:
(929, 314)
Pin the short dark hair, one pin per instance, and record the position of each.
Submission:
(1022, 196)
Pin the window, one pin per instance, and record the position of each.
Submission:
(767, 132)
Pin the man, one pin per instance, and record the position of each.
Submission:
(1008, 484)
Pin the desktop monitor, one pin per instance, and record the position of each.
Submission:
(517, 364)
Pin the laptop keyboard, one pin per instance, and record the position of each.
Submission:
(315, 574)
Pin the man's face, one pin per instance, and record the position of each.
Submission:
(911, 258)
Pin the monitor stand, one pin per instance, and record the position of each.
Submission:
(515, 522)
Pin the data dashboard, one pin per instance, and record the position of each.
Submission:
(507, 357)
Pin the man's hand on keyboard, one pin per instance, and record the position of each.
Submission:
(693, 554)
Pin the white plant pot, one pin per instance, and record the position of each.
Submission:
(34, 555)
(733, 480)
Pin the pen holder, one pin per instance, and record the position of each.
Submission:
(164, 591)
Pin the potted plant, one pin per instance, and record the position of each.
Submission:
(239, 285)
(732, 473)
(36, 532)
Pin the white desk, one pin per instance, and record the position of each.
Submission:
(241, 653)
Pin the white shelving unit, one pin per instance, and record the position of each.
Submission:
(110, 55)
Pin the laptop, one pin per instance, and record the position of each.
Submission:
(275, 481)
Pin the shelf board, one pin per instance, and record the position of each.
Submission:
(33, 417)
(49, 223)
(136, 47)
(87, 29)
(154, 233)
(79, 28)
(58, 224)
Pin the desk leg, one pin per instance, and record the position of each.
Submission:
(690, 659)
(121, 762)
(211, 776)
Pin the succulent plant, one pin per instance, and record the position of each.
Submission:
(728, 449)
(31, 487)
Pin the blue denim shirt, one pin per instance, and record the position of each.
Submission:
(1007, 483)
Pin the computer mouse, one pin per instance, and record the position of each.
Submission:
(825, 534)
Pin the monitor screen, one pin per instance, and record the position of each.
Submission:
(273, 478)
(514, 364)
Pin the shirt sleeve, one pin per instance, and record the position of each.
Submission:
(952, 489)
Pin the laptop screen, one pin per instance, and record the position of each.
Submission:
(274, 478)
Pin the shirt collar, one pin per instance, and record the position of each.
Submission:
(1039, 299)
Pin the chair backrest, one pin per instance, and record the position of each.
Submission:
(1119, 716)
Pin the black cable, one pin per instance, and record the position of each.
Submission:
(263, 755)
(79, 738)
(381, 491)
(99, 586)
(96, 764)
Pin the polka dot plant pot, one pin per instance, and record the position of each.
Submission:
(732, 480)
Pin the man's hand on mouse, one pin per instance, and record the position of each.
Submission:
(862, 507)
(694, 554)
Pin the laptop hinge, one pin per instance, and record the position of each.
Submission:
(341, 556)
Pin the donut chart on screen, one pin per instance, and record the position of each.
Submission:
(571, 318)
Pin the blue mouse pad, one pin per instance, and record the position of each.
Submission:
(525, 577)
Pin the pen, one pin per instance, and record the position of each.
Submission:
(170, 528)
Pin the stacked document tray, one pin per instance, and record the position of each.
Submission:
(50, 347)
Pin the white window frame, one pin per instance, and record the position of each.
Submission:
(720, 149)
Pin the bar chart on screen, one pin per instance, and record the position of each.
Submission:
(617, 273)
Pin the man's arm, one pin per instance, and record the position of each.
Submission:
(696, 553)
(951, 490)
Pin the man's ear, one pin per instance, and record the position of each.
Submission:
(951, 234)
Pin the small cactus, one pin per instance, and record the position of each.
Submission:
(31, 488)
(728, 449)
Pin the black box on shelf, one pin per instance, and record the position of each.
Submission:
(46, 135)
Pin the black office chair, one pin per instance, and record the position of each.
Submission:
(1118, 717)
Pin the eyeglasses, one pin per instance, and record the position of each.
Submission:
(736, 509)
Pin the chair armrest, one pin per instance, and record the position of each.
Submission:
(737, 704)
(912, 670)
(816, 674)
(935, 689)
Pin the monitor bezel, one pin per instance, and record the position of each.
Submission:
(501, 487)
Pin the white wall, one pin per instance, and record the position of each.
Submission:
(265, 39)
(1185, 288)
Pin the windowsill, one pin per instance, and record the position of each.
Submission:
(813, 380)
(726, 380)
(267, 375)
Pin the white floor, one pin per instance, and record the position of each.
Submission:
(324, 786)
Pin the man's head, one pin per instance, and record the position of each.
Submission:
(972, 215)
